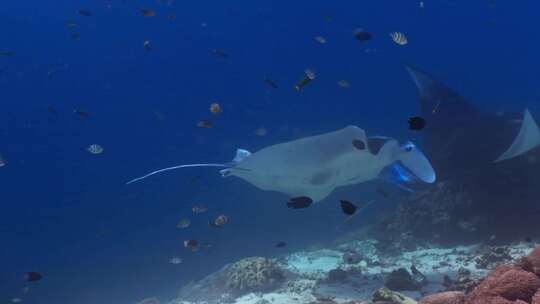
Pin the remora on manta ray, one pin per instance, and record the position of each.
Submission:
(315, 166)
(461, 138)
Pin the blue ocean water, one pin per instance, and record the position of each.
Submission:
(69, 215)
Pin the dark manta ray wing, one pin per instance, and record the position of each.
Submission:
(459, 136)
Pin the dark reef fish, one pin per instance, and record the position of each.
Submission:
(417, 123)
(81, 113)
(6, 53)
(281, 244)
(362, 35)
(147, 12)
(33, 276)
(221, 53)
(84, 12)
(299, 202)
(347, 207)
(270, 83)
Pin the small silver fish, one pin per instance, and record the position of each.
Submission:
(183, 223)
(320, 39)
(146, 45)
(220, 221)
(344, 83)
(199, 209)
(193, 245)
(95, 149)
(261, 131)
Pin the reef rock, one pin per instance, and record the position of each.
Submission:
(299, 286)
(337, 275)
(385, 295)
(418, 277)
(423, 220)
(493, 256)
(464, 281)
(401, 279)
(532, 262)
(352, 258)
(448, 297)
(253, 274)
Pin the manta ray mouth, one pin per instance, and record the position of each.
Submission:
(402, 176)
(410, 169)
(416, 164)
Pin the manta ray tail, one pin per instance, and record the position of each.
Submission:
(174, 168)
(241, 154)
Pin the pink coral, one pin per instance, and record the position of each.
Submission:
(494, 300)
(536, 298)
(532, 261)
(449, 297)
(509, 282)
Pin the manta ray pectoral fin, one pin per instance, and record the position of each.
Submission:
(527, 139)
(241, 154)
(423, 81)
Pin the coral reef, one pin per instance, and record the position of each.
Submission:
(253, 274)
(430, 275)
(517, 283)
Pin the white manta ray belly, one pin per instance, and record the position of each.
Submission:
(312, 166)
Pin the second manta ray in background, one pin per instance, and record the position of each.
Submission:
(461, 138)
(314, 166)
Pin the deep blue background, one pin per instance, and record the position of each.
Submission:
(68, 214)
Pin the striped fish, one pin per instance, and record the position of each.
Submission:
(399, 38)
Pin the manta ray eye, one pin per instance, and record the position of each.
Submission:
(408, 147)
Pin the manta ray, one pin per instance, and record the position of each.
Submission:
(314, 166)
(487, 164)
(460, 138)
